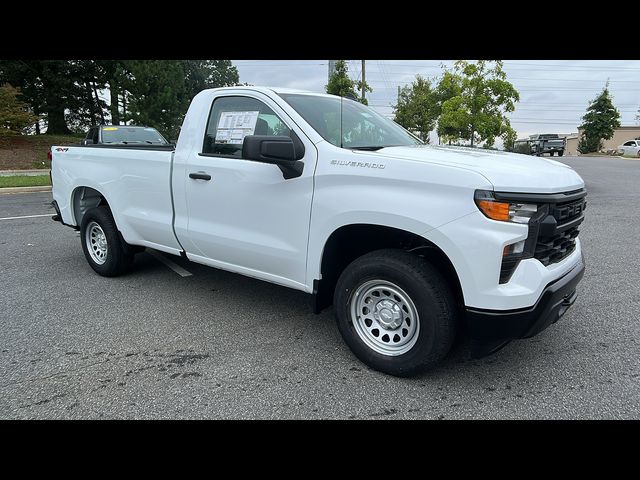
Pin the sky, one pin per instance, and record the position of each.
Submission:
(554, 94)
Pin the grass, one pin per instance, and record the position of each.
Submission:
(22, 152)
(25, 181)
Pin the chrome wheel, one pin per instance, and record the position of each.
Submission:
(96, 242)
(385, 317)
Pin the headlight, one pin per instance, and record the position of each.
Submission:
(504, 211)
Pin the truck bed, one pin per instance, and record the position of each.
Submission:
(136, 179)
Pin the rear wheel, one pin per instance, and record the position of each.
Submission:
(103, 247)
(395, 311)
(560, 153)
(551, 154)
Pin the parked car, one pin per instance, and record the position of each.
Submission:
(550, 143)
(630, 148)
(123, 135)
(322, 194)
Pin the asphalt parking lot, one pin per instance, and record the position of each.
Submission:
(157, 344)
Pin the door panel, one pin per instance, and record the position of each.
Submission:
(247, 217)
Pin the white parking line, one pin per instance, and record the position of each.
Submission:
(28, 216)
(173, 266)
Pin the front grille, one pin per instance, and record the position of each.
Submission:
(554, 249)
(565, 212)
(558, 231)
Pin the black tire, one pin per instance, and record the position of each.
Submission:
(426, 288)
(551, 154)
(560, 153)
(119, 256)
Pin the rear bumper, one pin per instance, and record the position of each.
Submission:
(490, 330)
(58, 216)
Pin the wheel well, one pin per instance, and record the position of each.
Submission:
(83, 199)
(352, 241)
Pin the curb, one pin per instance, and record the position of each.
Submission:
(32, 172)
(10, 190)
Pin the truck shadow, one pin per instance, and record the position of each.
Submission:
(290, 310)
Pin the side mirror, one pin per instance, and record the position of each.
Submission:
(86, 141)
(279, 150)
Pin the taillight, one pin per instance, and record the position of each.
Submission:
(49, 156)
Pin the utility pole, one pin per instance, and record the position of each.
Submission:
(363, 80)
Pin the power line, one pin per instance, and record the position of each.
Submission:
(545, 87)
(545, 79)
(263, 63)
(556, 66)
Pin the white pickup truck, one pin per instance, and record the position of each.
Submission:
(411, 243)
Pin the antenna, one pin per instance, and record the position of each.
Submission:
(341, 98)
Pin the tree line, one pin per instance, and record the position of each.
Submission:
(68, 96)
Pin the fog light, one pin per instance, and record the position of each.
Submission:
(511, 256)
(514, 248)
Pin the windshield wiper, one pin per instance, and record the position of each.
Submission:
(370, 148)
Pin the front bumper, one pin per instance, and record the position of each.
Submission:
(490, 330)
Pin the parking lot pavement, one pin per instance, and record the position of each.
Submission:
(157, 344)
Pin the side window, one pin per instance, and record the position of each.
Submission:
(630, 144)
(233, 118)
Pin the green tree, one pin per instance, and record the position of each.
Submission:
(477, 113)
(114, 74)
(509, 138)
(158, 95)
(418, 107)
(203, 74)
(449, 86)
(340, 84)
(14, 114)
(599, 123)
(85, 107)
(49, 87)
(158, 92)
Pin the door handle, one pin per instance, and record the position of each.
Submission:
(200, 176)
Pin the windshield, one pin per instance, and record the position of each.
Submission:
(361, 126)
(123, 134)
(549, 136)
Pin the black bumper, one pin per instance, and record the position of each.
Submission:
(491, 330)
(58, 216)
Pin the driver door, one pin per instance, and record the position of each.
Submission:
(243, 215)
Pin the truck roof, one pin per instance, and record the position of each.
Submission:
(277, 90)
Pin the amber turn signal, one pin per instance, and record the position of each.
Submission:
(494, 210)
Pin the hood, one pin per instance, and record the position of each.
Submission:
(509, 172)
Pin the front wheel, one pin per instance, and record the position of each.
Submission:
(103, 248)
(560, 153)
(395, 311)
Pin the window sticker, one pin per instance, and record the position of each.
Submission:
(109, 129)
(234, 126)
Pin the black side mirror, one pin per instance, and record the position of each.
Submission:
(280, 150)
(86, 141)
